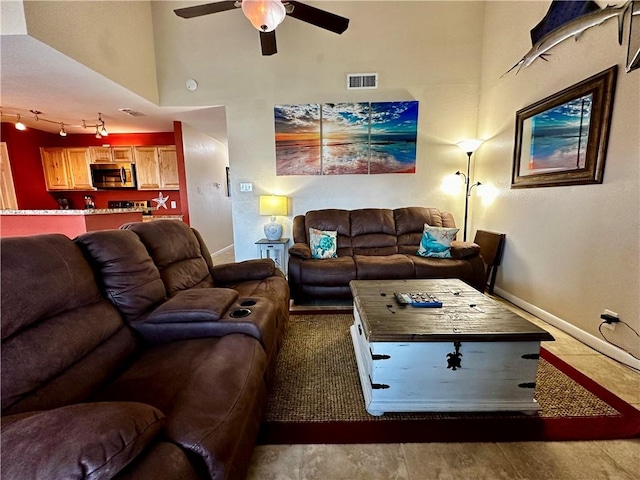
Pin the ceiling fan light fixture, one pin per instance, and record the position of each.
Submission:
(265, 15)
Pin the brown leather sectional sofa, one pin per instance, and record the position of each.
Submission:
(121, 356)
(374, 244)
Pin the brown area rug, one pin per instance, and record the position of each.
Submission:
(316, 398)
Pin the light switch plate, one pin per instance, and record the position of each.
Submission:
(173, 204)
(246, 187)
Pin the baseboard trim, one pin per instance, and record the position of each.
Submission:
(222, 251)
(579, 334)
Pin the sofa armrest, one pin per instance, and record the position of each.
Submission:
(301, 250)
(89, 440)
(231, 273)
(464, 249)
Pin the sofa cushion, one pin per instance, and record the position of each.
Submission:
(127, 273)
(328, 272)
(436, 242)
(61, 340)
(210, 391)
(429, 267)
(177, 253)
(92, 440)
(197, 305)
(383, 267)
(323, 243)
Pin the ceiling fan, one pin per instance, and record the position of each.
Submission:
(266, 15)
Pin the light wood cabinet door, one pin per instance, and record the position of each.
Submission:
(168, 167)
(79, 171)
(7, 190)
(122, 154)
(54, 164)
(100, 155)
(147, 168)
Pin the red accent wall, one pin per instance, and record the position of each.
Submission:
(28, 177)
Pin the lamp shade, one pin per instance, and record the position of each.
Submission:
(470, 146)
(265, 15)
(273, 204)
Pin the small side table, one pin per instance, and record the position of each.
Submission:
(276, 250)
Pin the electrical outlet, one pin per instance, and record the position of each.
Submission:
(246, 187)
(610, 326)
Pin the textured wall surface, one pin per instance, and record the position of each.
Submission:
(572, 251)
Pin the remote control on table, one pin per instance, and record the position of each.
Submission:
(425, 300)
(402, 298)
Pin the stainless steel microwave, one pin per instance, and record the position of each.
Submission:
(113, 175)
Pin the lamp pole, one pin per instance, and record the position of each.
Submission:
(466, 196)
(468, 146)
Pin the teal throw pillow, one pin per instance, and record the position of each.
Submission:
(324, 244)
(436, 241)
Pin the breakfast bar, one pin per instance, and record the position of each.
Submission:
(71, 223)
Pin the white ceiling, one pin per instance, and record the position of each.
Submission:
(34, 76)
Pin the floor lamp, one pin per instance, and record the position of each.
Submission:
(468, 147)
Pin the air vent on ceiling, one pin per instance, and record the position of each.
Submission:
(132, 112)
(359, 81)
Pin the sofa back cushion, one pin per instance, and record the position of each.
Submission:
(373, 232)
(130, 279)
(61, 340)
(410, 225)
(177, 253)
(331, 220)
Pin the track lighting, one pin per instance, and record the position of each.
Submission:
(103, 130)
(20, 125)
(99, 125)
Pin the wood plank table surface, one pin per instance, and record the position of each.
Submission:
(465, 315)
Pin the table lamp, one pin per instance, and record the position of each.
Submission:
(273, 205)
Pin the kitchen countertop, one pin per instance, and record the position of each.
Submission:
(89, 211)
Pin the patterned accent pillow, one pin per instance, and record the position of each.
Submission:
(324, 244)
(436, 241)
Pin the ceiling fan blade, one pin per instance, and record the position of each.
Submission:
(319, 18)
(268, 42)
(205, 9)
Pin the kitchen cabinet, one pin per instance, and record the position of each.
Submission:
(78, 160)
(122, 154)
(8, 199)
(157, 168)
(100, 154)
(168, 166)
(66, 168)
(111, 154)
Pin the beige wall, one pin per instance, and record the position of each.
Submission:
(113, 38)
(425, 51)
(571, 251)
(205, 160)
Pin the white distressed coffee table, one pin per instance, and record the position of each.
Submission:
(470, 355)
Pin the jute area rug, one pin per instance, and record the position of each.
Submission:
(316, 398)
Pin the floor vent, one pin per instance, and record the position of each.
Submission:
(362, 81)
(132, 112)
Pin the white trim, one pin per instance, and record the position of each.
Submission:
(594, 342)
(222, 251)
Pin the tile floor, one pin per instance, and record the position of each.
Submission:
(612, 459)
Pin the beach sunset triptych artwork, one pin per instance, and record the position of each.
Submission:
(346, 138)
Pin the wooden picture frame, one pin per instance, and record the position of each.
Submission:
(562, 139)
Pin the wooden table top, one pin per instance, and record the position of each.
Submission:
(466, 314)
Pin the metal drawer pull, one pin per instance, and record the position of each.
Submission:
(527, 385)
(531, 356)
(377, 386)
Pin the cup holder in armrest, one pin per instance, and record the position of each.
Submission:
(240, 313)
(248, 303)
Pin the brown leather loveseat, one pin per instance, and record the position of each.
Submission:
(121, 356)
(374, 244)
